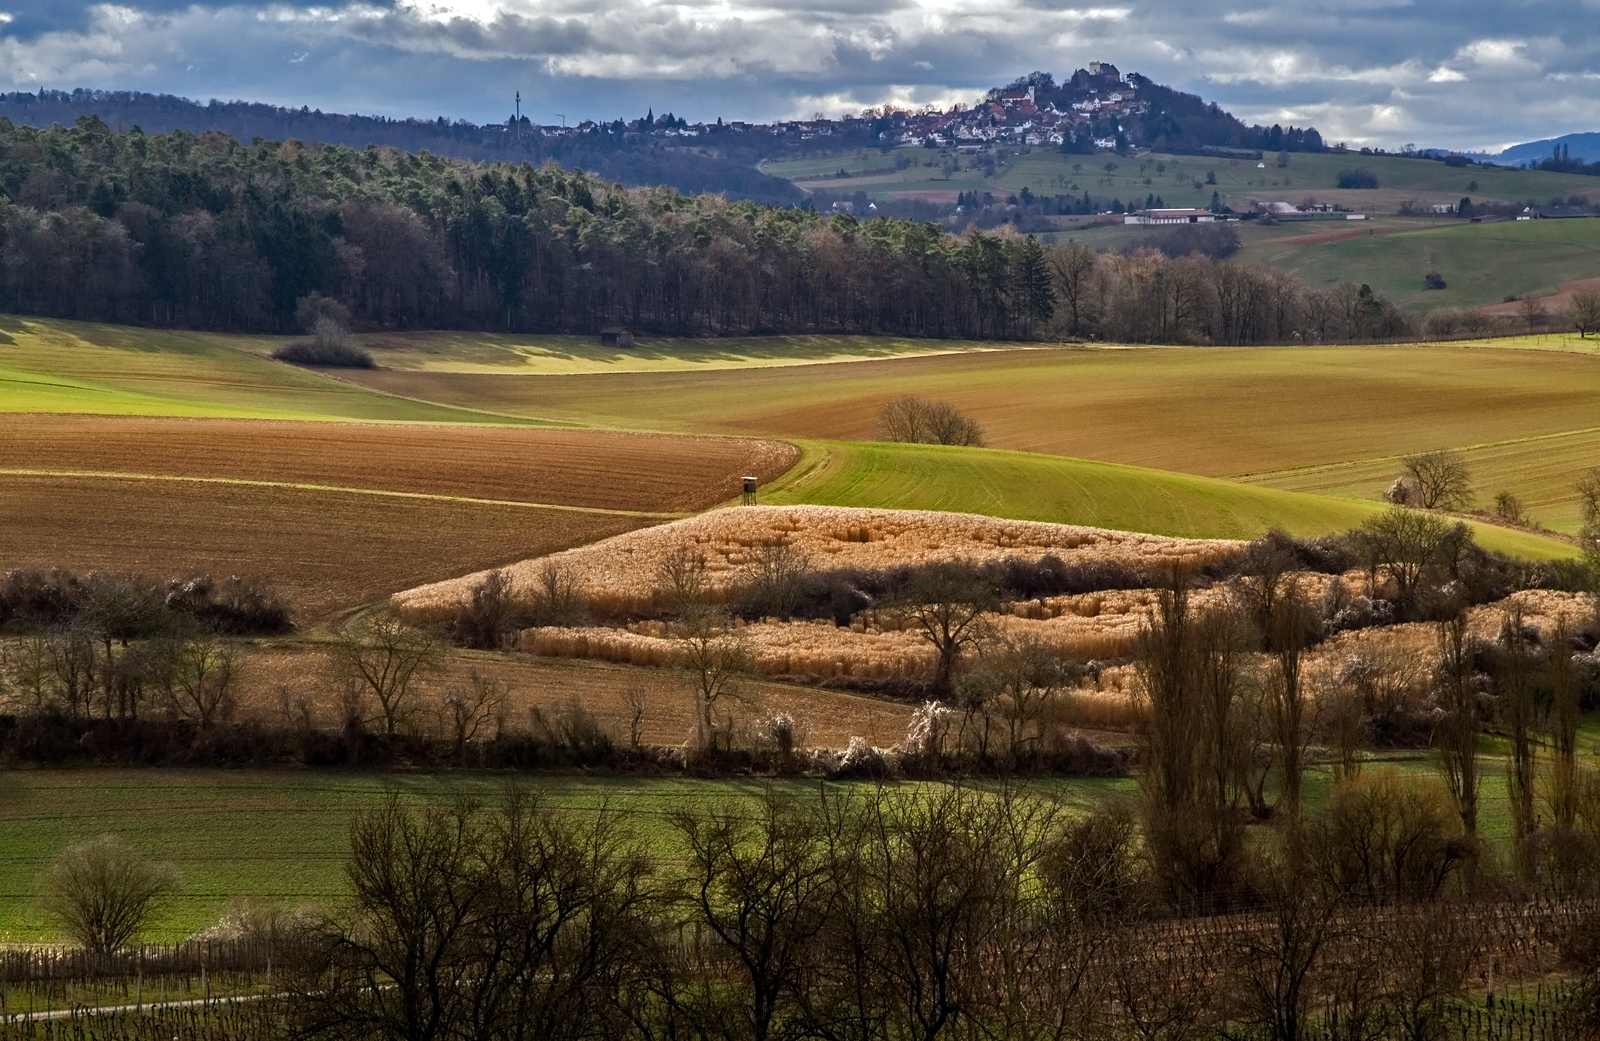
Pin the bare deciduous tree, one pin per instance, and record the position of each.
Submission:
(1517, 717)
(198, 678)
(764, 888)
(558, 597)
(1531, 309)
(947, 605)
(1584, 311)
(683, 572)
(1441, 480)
(102, 893)
(489, 615)
(1072, 269)
(1458, 748)
(712, 654)
(385, 658)
(1589, 513)
(467, 711)
(1402, 544)
(637, 699)
(778, 580)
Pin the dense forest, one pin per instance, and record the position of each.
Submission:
(208, 233)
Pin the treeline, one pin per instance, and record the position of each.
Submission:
(209, 233)
(1151, 297)
(1560, 161)
(608, 151)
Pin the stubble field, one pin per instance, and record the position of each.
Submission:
(1261, 415)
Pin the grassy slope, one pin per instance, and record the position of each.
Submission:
(1481, 263)
(1027, 486)
(1047, 172)
(1267, 415)
(78, 367)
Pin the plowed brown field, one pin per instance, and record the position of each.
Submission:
(596, 469)
(338, 546)
(324, 550)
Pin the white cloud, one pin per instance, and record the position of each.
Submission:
(1366, 71)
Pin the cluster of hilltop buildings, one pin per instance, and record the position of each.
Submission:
(1093, 102)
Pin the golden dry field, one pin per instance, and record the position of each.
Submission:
(624, 574)
(1328, 419)
(279, 682)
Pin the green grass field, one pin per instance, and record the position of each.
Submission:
(1028, 486)
(78, 367)
(281, 836)
(1480, 263)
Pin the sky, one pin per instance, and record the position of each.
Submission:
(1465, 74)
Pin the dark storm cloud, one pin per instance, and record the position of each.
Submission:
(1461, 74)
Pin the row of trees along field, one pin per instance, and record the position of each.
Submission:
(206, 232)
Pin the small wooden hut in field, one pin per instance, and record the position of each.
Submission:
(616, 336)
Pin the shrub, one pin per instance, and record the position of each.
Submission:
(779, 584)
(233, 607)
(1357, 179)
(102, 893)
(1509, 508)
(1092, 865)
(1386, 838)
(489, 616)
(331, 354)
(914, 420)
(42, 601)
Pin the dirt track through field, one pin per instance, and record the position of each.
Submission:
(339, 515)
(300, 486)
(594, 469)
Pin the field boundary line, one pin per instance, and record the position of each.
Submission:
(1302, 471)
(305, 486)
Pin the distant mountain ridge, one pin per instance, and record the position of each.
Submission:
(1581, 147)
(633, 160)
